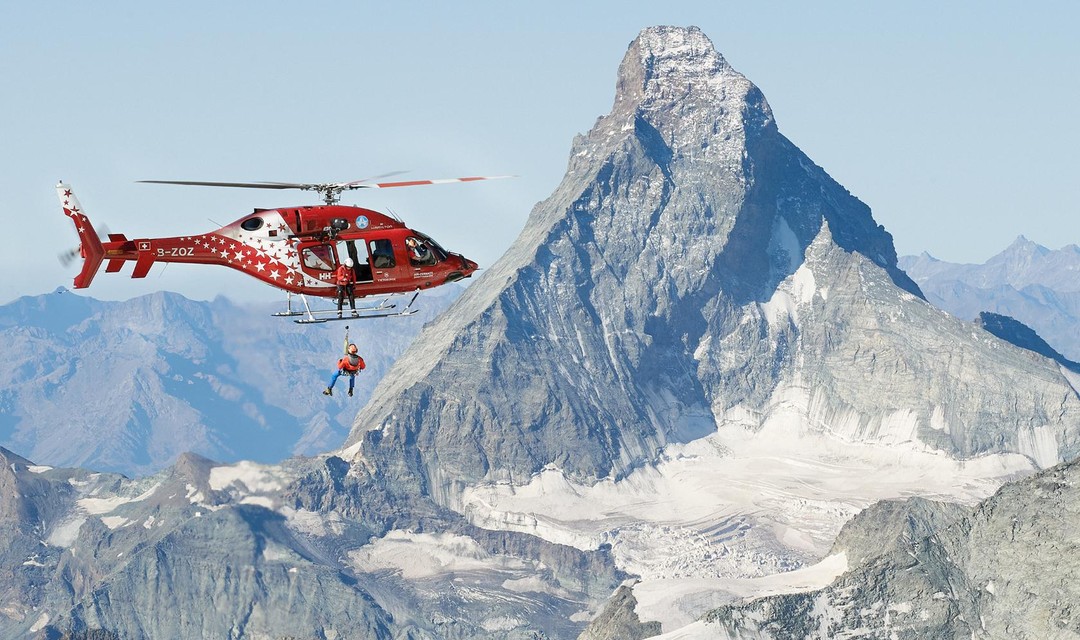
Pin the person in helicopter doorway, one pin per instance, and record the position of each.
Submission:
(350, 365)
(344, 278)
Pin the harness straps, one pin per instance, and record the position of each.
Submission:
(351, 363)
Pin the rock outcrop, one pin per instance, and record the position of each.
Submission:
(1003, 570)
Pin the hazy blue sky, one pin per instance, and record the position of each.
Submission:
(955, 121)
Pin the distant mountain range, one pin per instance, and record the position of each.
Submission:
(128, 386)
(1027, 281)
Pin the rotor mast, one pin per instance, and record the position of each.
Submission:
(331, 193)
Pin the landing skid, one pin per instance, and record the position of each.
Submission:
(384, 309)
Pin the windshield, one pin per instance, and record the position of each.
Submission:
(440, 253)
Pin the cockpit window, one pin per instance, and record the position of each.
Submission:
(252, 224)
(420, 255)
(440, 253)
(320, 257)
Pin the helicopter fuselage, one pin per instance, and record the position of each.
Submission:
(296, 249)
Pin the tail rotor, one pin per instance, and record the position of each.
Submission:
(67, 257)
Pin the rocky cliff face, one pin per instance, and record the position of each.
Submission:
(618, 621)
(311, 548)
(1003, 570)
(695, 270)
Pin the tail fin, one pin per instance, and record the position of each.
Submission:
(89, 245)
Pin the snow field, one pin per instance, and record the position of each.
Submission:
(738, 513)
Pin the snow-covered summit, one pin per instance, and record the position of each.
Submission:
(666, 65)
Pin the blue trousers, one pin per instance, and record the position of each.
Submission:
(338, 374)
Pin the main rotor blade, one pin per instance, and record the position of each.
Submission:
(245, 185)
(416, 183)
(348, 185)
(330, 190)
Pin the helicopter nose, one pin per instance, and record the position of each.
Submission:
(465, 270)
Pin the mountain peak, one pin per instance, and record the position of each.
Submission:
(666, 37)
(658, 292)
(665, 51)
(8, 458)
(1023, 246)
(677, 68)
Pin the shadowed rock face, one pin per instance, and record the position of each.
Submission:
(692, 264)
(1016, 332)
(1004, 570)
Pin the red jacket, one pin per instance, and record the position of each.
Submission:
(351, 364)
(344, 275)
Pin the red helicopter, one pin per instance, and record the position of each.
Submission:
(296, 249)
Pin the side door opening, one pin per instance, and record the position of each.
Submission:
(359, 256)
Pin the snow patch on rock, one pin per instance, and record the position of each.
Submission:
(65, 533)
(95, 506)
(246, 476)
(425, 555)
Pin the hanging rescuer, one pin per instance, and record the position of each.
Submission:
(349, 365)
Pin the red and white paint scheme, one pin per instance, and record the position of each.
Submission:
(295, 249)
